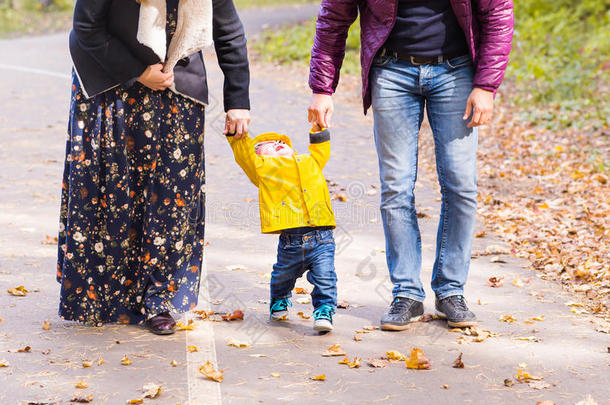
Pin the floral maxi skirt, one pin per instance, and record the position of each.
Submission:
(132, 206)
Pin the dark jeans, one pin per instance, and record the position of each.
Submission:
(300, 252)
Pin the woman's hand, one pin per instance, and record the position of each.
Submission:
(320, 110)
(154, 78)
(481, 105)
(236, 122)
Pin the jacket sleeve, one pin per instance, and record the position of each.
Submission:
(334, 19)
(90, 20)
(319, 147)
(496, 21)
(230, 45)
(246, 158)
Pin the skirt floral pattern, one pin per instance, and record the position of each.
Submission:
(132, 207)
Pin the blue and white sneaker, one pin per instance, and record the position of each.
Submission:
(323, 318)
(278, 309)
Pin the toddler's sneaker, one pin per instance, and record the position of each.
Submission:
(278, 309)
(323, 316)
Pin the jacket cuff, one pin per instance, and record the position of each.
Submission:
(319, 137)
(237, 103)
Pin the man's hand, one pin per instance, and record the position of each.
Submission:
(481, 104)
(320, 110)
(236, 122)
(154, 78)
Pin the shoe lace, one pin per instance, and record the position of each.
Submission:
(281, 304)
(459, 303)
(399, 306)
(324, 312)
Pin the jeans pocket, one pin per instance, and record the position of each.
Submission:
(380, 61)
(459, 61)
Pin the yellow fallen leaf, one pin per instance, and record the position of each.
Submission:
(210, 372)
(395, 355)
(237, 343)
(4, 363)
(125, 361)
(1, 320)
(525, 377)
(299, 290)
(46, 325)
(100, 361)
(302, 315)
(87, 363)
(527, 338)
(321, 377)
(151, 390)
(276, 375)
(417, 360)
(174, 363)
(26, 349)
(81, 384)
(192, 349)
(18, 291)
(351, 364)
(189, 325)
(537, 318)
(508, 319)
(370, 327)
(135, 401)
(334, 350)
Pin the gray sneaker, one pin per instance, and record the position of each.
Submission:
(323, 318)
(278, 309)
(402, 312)
(455, 310)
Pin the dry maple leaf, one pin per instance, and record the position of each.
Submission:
(357, 338)
(458, 363)
(237, 343)
(151, 390)
(81, 385)
(321, 377)
(237, 315)
(547, 402)
(135, 401)
(417, 361)
(302, 315)
(18, 291)
(343, 305)
(46, 325)
(87, 363)
(508, 382)
(125, 361)
(334, 350)
(192, 349)
(524, 377)
(100, 361)
(351, 364)
(527, 338)
(508, 319)
(495, 282)
(445, 386)
(174, 363)
(301, 290)
(370, 327)
(276, 375)
(538, 318)
(210, 372)
(203, 314)
(26, 349)
(340, 197)
(395, 355)
(377, 363)
(4, 363)
(189, 325)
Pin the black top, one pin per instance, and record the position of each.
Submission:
(427, 28)
(106, 52)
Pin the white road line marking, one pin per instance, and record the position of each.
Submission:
(201, 390)
(35, 71)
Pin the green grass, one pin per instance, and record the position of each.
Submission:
(559, 68)
(28, 17)
(264, 3)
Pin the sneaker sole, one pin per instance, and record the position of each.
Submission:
(323, 328)
(460, 324)
(280, 318)
(393, 326)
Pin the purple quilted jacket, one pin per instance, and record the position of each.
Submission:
(487, 24)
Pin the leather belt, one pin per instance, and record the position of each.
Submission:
(418, 60)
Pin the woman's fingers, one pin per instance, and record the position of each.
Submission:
(229, 127)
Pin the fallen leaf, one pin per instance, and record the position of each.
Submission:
(357, 338)
(321, 377)
(343, 305)
(26, 349)
(518, 282)
(174, 363)
(49, 240)
(537, 318)
(18, 291)
(81, 385)
(82, 399)
(395, 355)
(445, 386)
(234, 267)
(151, 390)
(257, 355)
(547, 402)
(340, 197)
(192, 349)
(125, 361)
(482, 302)
(46, 325)
(188, 326)
(236, 315)
(351, 364)
(334, 350)
(135, 401)
(301, 290)
(495, 282)
(370, 327)
(87, 363)
(458, 363)
(302, 315)
(276, 375)
(508, 319)
(210, 372)
(237, 343)
(524, 377)
(4, 363)
(100, 361)
(508, 382)
(304, 300)
(480, 234)
(417, 360)
(377, 363)
(528, 338)
(203, 314)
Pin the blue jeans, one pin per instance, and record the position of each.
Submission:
(400, 90)
(299, 252)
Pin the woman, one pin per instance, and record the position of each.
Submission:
(132, 209)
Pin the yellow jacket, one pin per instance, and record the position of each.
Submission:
(292, 191)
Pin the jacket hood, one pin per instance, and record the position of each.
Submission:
(272, 136)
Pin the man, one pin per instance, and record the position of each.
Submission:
(448, 56)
